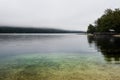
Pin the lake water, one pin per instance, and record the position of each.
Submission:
(59, 57)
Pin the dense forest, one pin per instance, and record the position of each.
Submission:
(6, 29)
(108, 22)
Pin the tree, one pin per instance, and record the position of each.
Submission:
(91, 29)
(110, 20)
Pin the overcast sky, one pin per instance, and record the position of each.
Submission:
(64, 14)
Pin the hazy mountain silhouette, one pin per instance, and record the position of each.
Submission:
(10, 29)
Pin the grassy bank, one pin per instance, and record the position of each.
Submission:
(57, 67)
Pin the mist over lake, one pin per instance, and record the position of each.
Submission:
(59, 40)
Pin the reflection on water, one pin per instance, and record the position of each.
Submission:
(108, 46)
(58, 57)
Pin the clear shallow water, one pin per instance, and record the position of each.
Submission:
(58, 57)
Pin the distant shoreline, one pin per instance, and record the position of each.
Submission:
(4, 29)
(42, 34)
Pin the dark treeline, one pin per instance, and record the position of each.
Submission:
(108, 22)
(6, 29)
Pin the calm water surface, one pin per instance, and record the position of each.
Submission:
(16, 45)
(25, 56)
